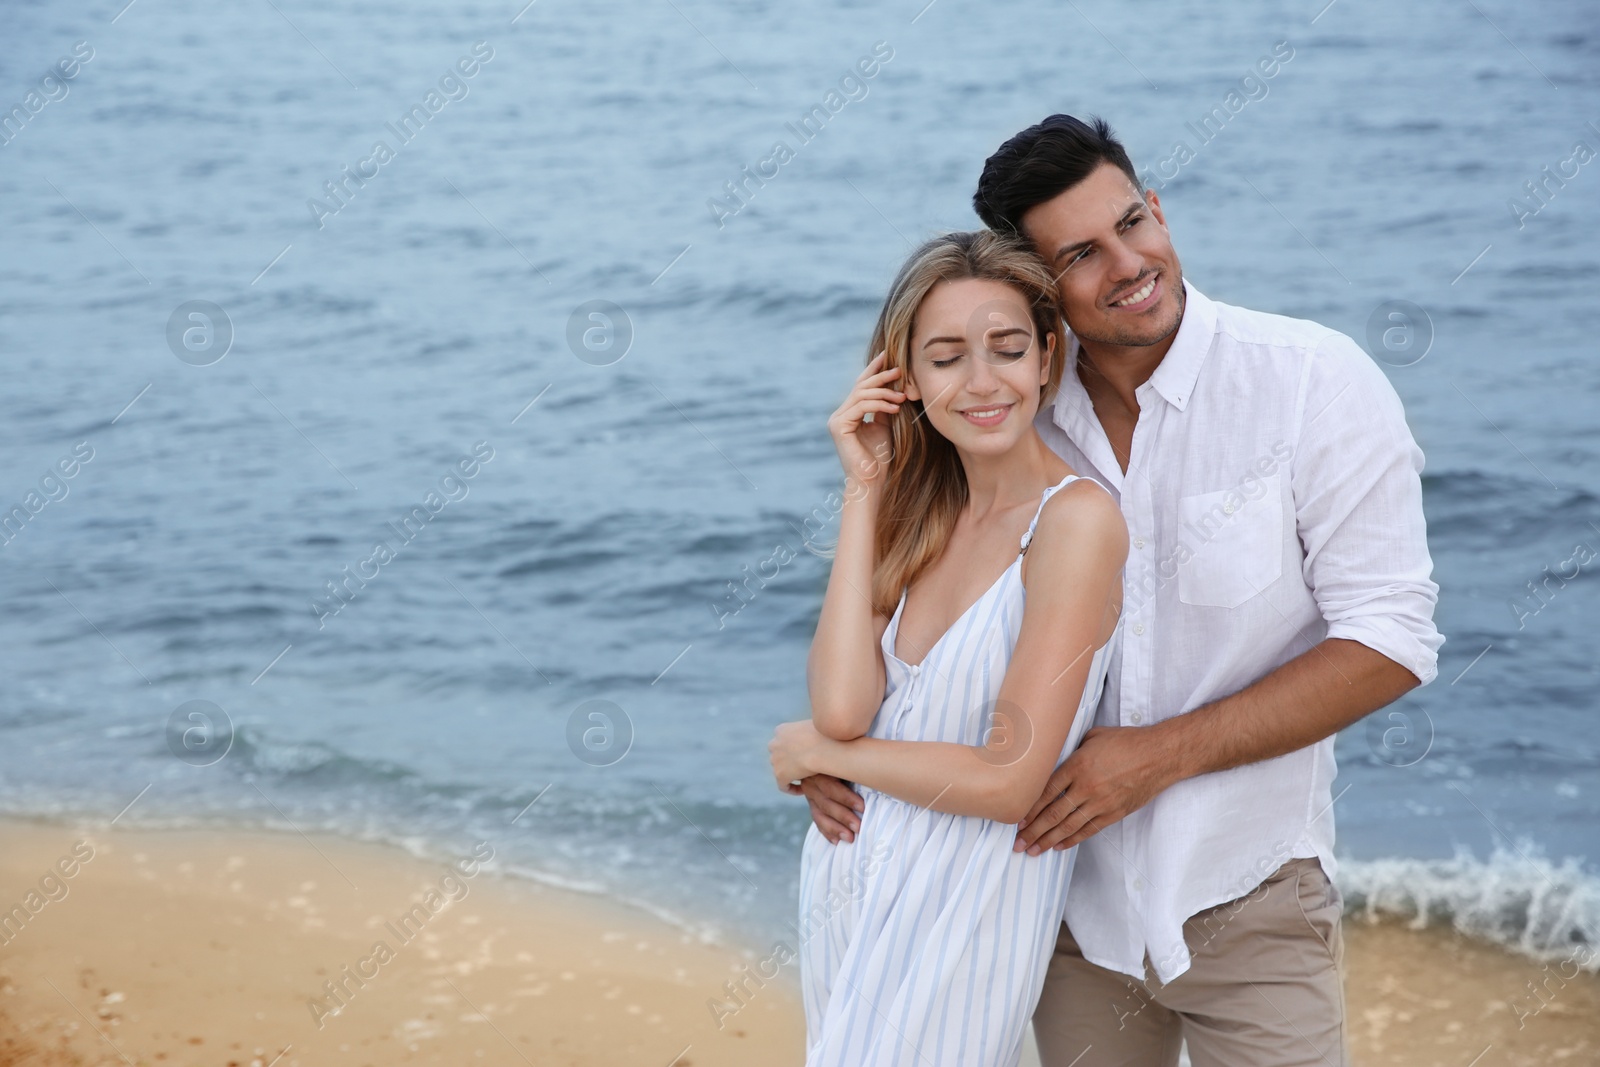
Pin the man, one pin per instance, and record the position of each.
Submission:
(1277, 589)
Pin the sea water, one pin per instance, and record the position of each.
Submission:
(561, 248)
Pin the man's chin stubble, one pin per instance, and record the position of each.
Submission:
(1138, 340)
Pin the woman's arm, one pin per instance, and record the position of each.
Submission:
(844, 672)
(1074, 584)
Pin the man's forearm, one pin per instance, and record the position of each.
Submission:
(1119, 769)
(1312, 696)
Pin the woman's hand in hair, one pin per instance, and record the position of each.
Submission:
(864, 446)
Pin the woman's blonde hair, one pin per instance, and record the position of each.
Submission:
(925, 487)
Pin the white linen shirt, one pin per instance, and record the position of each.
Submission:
(1273, 499)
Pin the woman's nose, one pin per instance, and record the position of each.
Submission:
(981, 376)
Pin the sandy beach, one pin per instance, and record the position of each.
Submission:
(249, 948)
(183, 948)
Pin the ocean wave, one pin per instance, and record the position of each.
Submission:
(1478, 510)
(1517, 899)
(311, 763)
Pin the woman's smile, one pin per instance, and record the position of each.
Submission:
(993, 415)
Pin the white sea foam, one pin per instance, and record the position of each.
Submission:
(1516, 898)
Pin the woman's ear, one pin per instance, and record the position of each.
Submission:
(1049, 355)
(907, 384)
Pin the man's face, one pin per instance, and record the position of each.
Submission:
(1120, 279)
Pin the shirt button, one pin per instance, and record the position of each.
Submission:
(1138, 542)
(1138, 884)
(916, 669)
(1136, 718)
(1227, 509)
(1138, 628)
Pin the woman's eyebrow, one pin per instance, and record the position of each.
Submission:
(993, 331)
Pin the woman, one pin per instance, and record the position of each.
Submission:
(946, 693)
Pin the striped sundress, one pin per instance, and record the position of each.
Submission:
(925, 940)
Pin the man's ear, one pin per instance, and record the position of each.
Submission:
(1153, 198)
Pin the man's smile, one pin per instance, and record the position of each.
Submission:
(1141, 297)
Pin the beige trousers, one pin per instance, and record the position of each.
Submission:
(1265, 988)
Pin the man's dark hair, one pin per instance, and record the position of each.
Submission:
(1041, 163)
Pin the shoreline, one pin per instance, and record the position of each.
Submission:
(272, 949)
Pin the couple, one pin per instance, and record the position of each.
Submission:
(1115, 563)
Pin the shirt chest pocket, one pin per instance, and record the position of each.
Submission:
(1235, 542)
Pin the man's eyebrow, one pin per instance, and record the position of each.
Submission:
(1132, 209)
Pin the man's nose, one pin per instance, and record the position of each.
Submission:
(1125, 263)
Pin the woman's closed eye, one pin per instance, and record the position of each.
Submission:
(952, 359)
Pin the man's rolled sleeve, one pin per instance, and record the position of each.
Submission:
(1358, 506)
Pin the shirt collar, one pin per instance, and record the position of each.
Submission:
(1175, 377)
(1174, 380)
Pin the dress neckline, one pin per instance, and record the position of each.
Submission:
(894, 624)
(893, 630)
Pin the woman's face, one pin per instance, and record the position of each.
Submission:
(976, 364)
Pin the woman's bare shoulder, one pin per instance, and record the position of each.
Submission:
(1081, 518)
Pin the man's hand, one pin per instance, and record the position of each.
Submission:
(1114, 772)
(835, 807)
